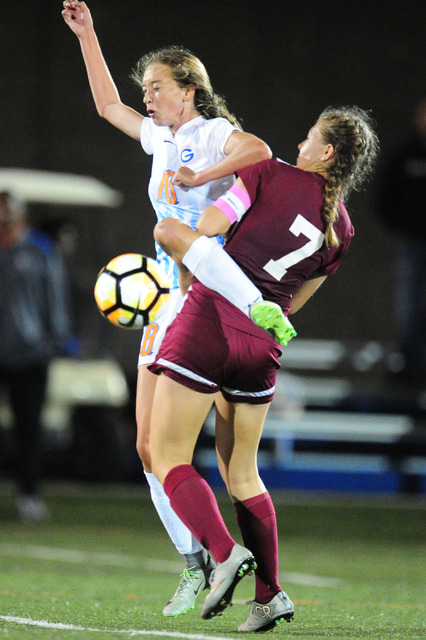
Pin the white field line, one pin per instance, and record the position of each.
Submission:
(43, 624)
(75, 556)
(309, 580)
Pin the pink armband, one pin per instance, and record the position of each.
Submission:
(234, 203)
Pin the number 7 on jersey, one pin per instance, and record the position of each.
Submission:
(278, 268)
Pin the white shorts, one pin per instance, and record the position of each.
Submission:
(153, 334)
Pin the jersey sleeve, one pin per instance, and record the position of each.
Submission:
(146, 136)
(252, 177)
(220, 130)
(331, 267)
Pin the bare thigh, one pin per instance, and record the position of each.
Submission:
(178, 414)
(145, 390)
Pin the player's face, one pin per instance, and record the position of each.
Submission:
(311, 150)
(166, 102)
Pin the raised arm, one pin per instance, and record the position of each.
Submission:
(107, 99)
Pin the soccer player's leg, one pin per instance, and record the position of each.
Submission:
(244, 417)
(198, 564)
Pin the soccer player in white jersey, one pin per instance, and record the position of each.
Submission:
(197, 145)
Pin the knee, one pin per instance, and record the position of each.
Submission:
(144, 455)
(223, 470)
(142, 448)
(165, 232)
(245, 484)
(160, 469)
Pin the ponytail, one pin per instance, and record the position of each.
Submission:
(351, 132)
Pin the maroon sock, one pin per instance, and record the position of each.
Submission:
(193, 501)
(257, 521)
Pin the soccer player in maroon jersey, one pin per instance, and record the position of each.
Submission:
(292, 231)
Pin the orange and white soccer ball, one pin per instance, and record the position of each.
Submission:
(132, 291)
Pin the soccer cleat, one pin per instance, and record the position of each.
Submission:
(225, 578)
(264, 617)
(269, 316)
(192, 581)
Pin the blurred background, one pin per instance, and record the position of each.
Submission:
(345, 417)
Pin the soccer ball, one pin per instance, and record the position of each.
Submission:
(132, 291)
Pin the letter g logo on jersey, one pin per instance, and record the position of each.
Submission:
(186, 155)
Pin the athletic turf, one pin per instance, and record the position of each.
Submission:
(103, 569)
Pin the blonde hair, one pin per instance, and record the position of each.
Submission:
(187, 69)
(351, 132)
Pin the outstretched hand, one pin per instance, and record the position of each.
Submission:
(77, 16)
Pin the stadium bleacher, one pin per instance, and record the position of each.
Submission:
(339, 422)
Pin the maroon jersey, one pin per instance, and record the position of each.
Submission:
(279, 243)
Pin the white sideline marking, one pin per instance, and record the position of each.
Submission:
(308, 580)
(43, 624)
(75, 556)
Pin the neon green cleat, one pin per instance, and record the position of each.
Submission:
(269, 316)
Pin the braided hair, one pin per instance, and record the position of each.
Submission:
(187, 69)
(351, 132)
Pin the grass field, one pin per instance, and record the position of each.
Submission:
(103, 569)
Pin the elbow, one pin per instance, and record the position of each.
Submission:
(263, 151)
(108, 111)
(102, 107)
(102, 110)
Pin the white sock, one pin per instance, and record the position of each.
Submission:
(215, 269)
(184, 541)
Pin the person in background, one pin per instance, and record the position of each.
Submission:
(34, 327)
(401, 203)
(197, 145)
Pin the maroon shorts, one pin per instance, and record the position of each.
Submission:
(212, 346)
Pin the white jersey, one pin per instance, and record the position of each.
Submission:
(197, 144)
